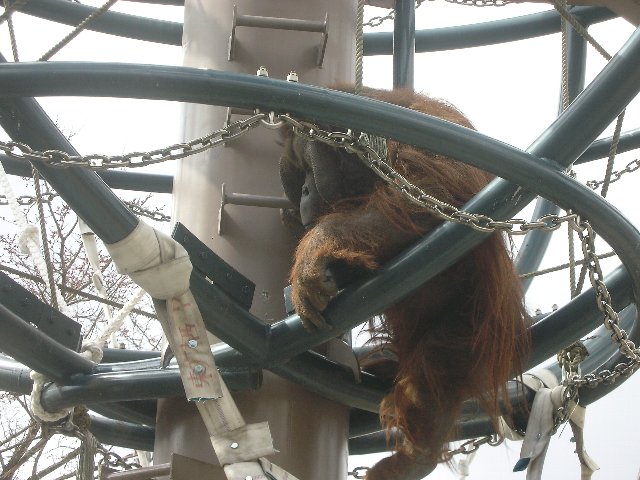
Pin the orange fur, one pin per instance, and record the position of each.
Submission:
(460, 335)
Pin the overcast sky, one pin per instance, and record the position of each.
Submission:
(509, 91)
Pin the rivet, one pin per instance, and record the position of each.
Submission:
(234, 445)
(192, 343)
(262, 72)
(198, 369)
(248, 477)
(292, 77)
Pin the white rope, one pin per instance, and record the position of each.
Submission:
(91, 249)
(464, 464)
(90, 351)
(118, 319)
(29, 239)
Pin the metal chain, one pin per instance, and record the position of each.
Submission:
(47, 197)
(611, 321)
(360, 146)
(358, 472)
(26, 200)
(59, 159)
(377, 21)
(483, 223)
(470, 446)
(631, 167)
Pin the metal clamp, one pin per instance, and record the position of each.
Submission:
(280, 24)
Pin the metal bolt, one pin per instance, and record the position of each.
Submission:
(292, 77)
(248, 477)
(192, 343)
(234, 445)
(262, 72)
(198, 369)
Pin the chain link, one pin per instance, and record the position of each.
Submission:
(358, 472)
(470, 446)
(360, 146)
(59, 159)
(47, 197)
(26, 200)
(483, 223)
(377, 21)
(631, 167)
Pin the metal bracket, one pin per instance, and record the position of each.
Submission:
(210, 265)
(50, 321)
(248, 200)
(280, 24)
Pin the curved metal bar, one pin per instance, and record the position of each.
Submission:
(115, 355)
(566, 139)
(432, 40)
(136, 411)
(600, 148)
(157, 183)
(141, 182)
(536, 242)
(14, 377)
(25, 121)
(600, 345)
(472, 423)
(119, 386)
(315, 373)
(116, 384)
(486, 33)
(195, 85)
(122, 434)
(114, 23)
(576, 319)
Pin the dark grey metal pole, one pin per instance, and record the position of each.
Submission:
(140, 182)
(432, 40)
(91, 199)
(404, 43)
(536, 242)
(30, 346)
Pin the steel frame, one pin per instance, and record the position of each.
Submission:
(539, 169)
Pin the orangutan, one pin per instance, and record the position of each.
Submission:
(461, 335)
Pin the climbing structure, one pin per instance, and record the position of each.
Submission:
(222, 271)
